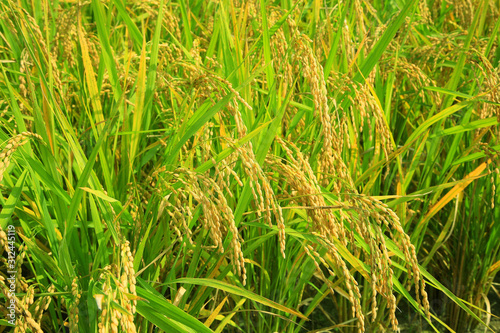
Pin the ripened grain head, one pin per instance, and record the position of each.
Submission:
(11, 146)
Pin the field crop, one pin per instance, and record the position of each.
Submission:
(249, 166)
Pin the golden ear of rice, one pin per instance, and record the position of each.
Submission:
(12, 145)
(360, 211)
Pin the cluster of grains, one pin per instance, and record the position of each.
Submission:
(4, 112)
(351, 283)
(349, 45)
(330, 162)
(24, 67)
(49, 58)
(12, 145)
(27, 319)
(493, 12)
(182, 75)
(102, 322)
(180, 213)
(385, 217)
(300, 177)
(493, 156)
(360, 14)
(73, 306)
(30, 312)
(493, 185)
(196, 52)
(21, 280)
(237, 95)
(209, 192)
(21, 284)
(137, 198)
(176, 204)
(338, 262)
(464, 11)
(224, 171)
(200, 80)
(262, 191)
(443, 47)
(416, 78)
(491, 82)
(127, 286)
(425, 13)
(371, 111)
(42, 304)
(170, 56)
(279, 49)
(66, 35)
(329, 225)
(119, 283)
(24, 317)
(365, 113)
(381, 272)
(3, 243)
(119, 286)
(170, 19)
(7, 18)
(94, 48)
(218, 218)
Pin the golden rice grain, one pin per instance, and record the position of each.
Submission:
(12, 145)
(73, 307)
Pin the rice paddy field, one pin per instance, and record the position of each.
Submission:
(249, 166)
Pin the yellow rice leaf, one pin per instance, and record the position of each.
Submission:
(453, 193)
(99, 194)
(494, 267)
(90, 78)
(215, 313)
(227, 320)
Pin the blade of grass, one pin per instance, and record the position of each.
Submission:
(237, 291)
(10, 205)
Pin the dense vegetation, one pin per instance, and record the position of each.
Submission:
(249, 166)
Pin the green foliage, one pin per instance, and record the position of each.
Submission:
(250, 166)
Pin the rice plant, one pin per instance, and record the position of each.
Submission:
(249, 166)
